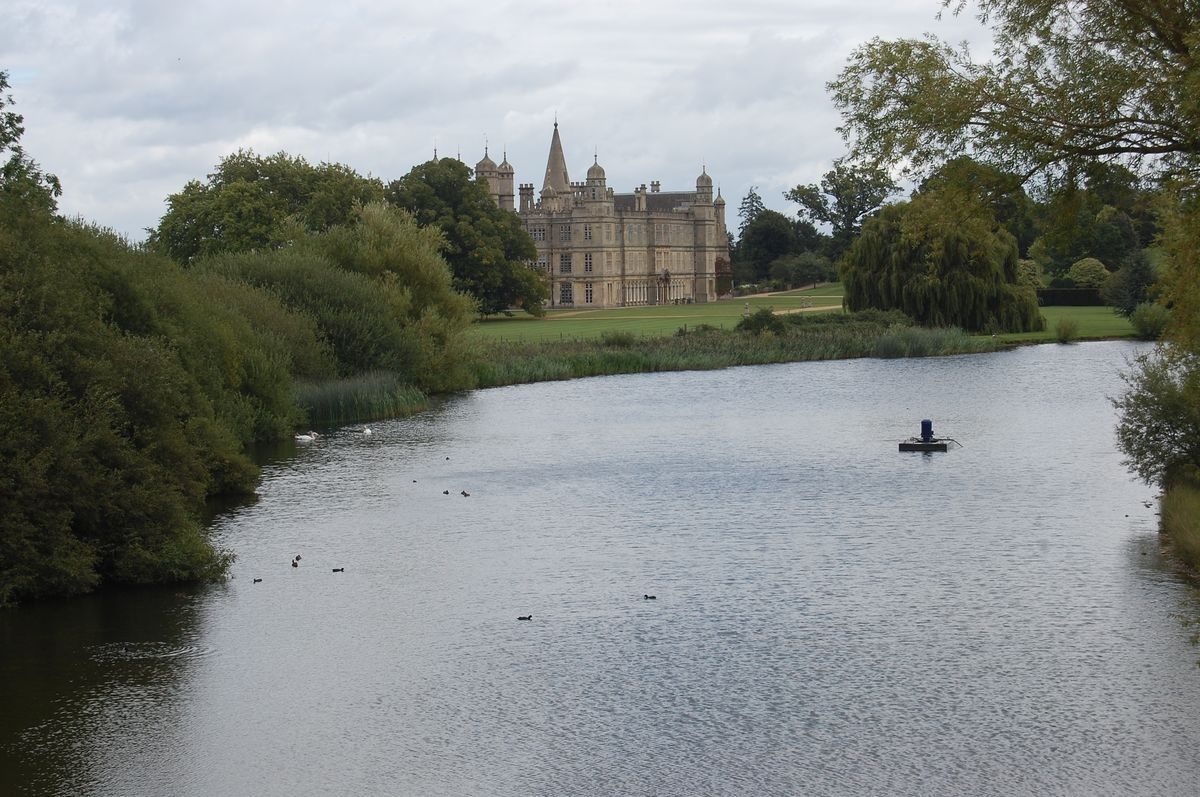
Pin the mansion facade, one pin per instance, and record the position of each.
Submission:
(601, 249)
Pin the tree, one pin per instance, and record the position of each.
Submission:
(1088, 273)
(1130, 285)
(942, 260)
(846, 195)
(750, 208)
(249, 200)
(1159, 428)
(21, 179)
(768, 237)
(1068, 82)
(488, 250)
(1002, 192)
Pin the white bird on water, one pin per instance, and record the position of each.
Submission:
(305, 437)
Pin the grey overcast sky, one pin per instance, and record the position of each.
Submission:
(127, 100)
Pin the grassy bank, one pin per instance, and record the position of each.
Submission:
(1181, 522)
(706, 348)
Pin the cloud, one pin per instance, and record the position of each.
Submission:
(126, 100)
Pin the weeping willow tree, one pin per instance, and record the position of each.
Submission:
(944, 261)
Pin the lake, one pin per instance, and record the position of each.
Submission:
(830, 616)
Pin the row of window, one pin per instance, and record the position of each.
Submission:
(566, 293)
(663, 233)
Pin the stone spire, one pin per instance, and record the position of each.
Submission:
(556, 167)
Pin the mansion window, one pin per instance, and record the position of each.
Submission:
(543, 263)
(587, 293)
(587, 232)
(565, 295)
(537, 233)
(564, 264)
(564, 232)
(587, 261)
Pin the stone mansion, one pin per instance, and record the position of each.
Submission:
(603, 249)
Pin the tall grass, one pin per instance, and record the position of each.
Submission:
(367, 397)
(504, 363)
(1181, 521)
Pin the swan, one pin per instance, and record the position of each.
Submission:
(305, 437)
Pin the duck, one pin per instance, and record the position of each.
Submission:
(525, 617)
(445, 492)
(339, 570)
(257, 580)
(295, 563)
(649, 597)
(465, 494)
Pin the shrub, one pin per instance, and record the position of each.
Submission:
(1150, 320)
(1088, 273)
(1066, 330)
(762, 320)
(618, 340)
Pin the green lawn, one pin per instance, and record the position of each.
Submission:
(1094, 322)
(653, 321)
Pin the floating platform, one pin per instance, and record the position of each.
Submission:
(923, 445)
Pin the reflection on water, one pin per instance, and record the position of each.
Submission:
(832, 617)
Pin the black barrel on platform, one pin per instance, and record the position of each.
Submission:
(926, 430)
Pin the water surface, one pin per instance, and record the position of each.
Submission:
(831, 616)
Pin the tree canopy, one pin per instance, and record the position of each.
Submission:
(488, 250)
(249, 201)
(942, 260)
(846, 195)
(1068, 81)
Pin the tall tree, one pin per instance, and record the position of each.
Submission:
(488, 250)
(249, 201)
(1068, 81)
(846, 195)
(1002, 192)
(944, 261)
(21, 178)
(750, 208)
(768, 237)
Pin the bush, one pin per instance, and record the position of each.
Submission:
(1066, 330)
(1150, 320)
(618, 340)
(762, 320)
(1159, 426)
(1088, 273)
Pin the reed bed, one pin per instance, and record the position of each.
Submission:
(367, 397)
(508, 363)
(1181, 522)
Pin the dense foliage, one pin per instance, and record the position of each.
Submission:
(1160, 415)
(847, 194)
(252, 202)
(131, 386)
(1069, 82)
(489, 252)
(943, 261)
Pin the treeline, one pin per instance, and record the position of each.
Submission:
(972, 244)
(131, 387)
(132, 384)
